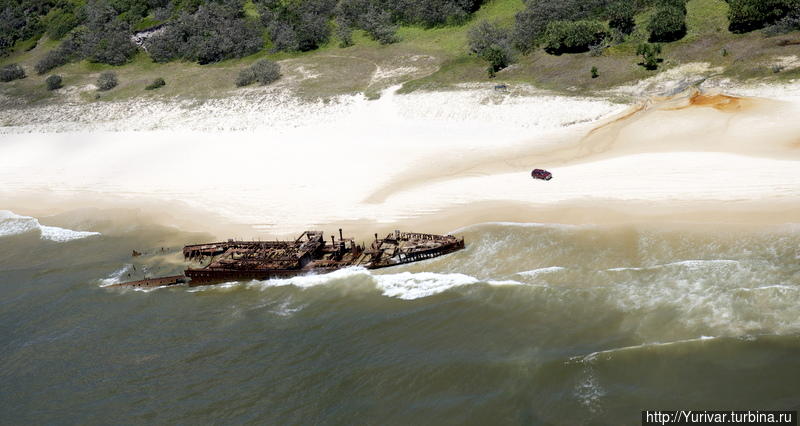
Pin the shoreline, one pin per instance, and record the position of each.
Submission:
(404, 160)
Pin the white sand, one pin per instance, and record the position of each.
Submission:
(281, 179)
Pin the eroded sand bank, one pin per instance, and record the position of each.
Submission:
(410, 159)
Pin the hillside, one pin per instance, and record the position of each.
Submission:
(423, 58)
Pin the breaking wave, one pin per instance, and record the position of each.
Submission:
(590, 358)
(14, 224)
(538, 271)
(116, 276)
(684, 263)
(403, 285)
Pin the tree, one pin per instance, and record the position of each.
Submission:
(216, 31)
(789, 23)
(749, 15)
(53, 82)
(572, 37)
(430, 13)
(106, 39)
(621, 17)
(59, 22)
(667, 24)
(378, 24)
(298, 25)
(491, 43)
(649, 53)
(20, 20)
(531, 23)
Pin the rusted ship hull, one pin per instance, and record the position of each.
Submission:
(309, 254)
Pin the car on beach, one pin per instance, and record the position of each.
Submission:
(541, 174)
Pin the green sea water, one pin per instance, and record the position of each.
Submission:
(530, 324)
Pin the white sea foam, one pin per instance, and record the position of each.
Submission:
(519, 225)
(14, 224)
(408, 285)
(285, 309)
(589, 391)
(687, 263)
(535, 272)
(403, 285)
(703, 263)
(772, 287)
(116, 276)
(589, 358)
(216, 287)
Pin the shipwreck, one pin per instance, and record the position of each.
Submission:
(310, 253)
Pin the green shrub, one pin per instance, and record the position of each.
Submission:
(107, 81)
(59, 22)
(266, 71)
(159, 82)
(649, 53)
(749, 15)
(52, 59)
(11, 72)
(53, 82)
(667, 24)
(595, 72)
(573, 37)
(263, 71)
(787, 24)
(246, 77)
(69, 50)
(491, 43)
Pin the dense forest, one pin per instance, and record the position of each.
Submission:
(208, 31)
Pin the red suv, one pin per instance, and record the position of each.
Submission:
(541, 174)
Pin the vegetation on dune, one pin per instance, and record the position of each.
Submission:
(20, 20)
(789, 23)
(668, 23)
(649, 53)
(11, 72)
(493, 44)
(215, 31)
(550, 41)
(157, 83)
(749, 15)
(572, 37)
(263, 71)
(53, 82)
(297, 25)
(621, 17)
(107, 37)
(60, 20)
(107, 81)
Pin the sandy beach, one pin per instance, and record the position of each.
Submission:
(399, 160)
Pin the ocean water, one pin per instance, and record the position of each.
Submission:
(530, 324)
